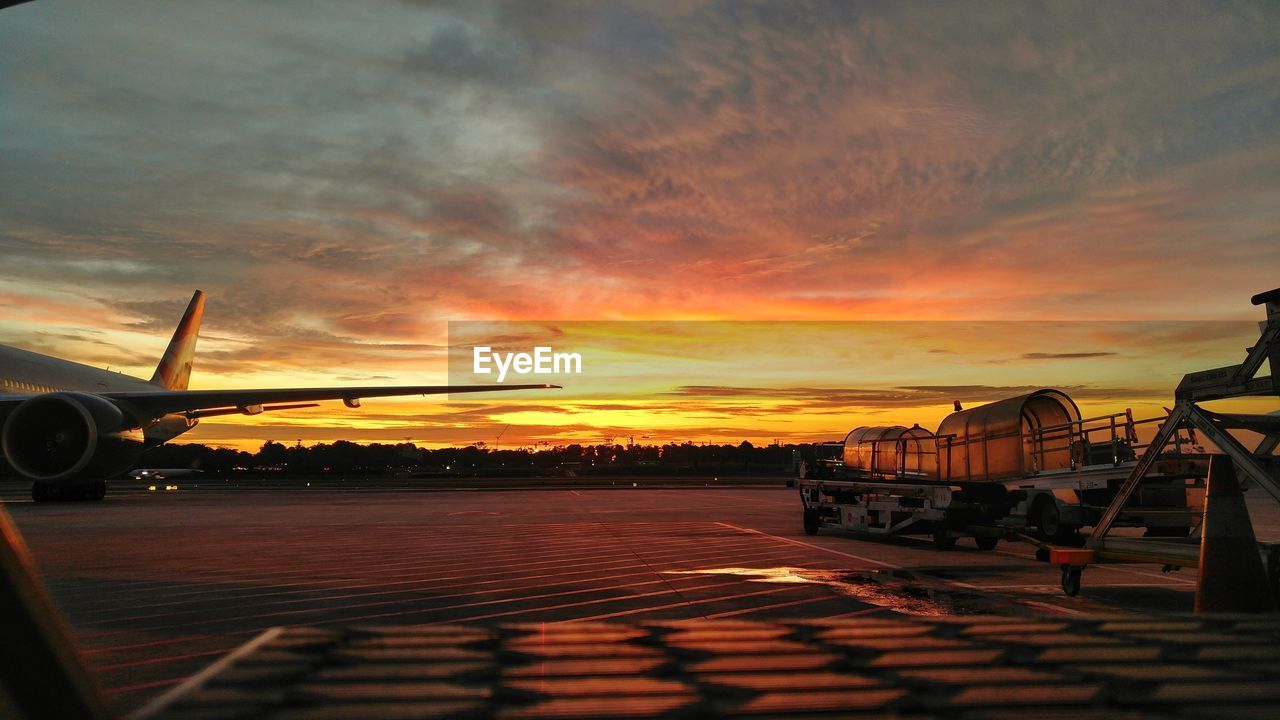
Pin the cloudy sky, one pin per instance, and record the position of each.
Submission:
(343, 179)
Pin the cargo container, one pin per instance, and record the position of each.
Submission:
(1025, 464)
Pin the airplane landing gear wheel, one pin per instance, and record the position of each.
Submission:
(1071, 581)
(811, 522)
(986, 542)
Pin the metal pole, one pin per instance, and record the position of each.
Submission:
(1167, 430)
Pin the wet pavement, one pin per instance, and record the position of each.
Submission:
(157, 585)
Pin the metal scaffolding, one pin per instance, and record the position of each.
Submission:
(1258, 466)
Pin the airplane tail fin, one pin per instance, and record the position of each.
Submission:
(174, 370)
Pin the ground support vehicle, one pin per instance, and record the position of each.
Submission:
(1028, 464)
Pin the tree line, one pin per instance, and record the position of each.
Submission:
(345, 457)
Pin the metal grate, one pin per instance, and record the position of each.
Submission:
(1106, 666)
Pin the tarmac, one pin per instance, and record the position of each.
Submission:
(157, 585)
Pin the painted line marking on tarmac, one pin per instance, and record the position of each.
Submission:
(515, 588)
(811, 546)
(153, 643)
(159, 660)
(552, 558)
(421, 610)
(789, 541)
(1051, 608)
(1112, 567)
(405, 586)
(775, 606)
(529, 611)
(1131, 571)
(515, 585)
(752, 501)
(856, 613)
(597, 601)
(145, 686)
(682, 603)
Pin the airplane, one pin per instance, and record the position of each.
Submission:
(161, 473)
(69, 427)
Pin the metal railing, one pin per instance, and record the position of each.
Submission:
(1079, 439)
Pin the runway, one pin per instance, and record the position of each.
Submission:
(157, 585)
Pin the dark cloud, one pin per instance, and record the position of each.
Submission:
(1065, 355)
(342, 179)
(905, 396)
(475, 154)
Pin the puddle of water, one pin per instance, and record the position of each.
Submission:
(891, 589)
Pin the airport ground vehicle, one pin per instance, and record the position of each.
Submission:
(1026, 464)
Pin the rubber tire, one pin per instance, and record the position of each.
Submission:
(986, 542)
(1071, 581)
(943, 539)
(811, 521)
(39, 492)
(1049, 519)
(97, 490)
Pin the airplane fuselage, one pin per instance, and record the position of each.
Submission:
(23, 372)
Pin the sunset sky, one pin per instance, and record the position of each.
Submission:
(1092, 188)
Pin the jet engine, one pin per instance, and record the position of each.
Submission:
(65, 437)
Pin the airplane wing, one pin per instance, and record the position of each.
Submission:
(202, 403)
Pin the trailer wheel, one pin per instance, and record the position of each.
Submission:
(986, 542)
(811, 522)
(1048, 518)
(942, 538)
(1070, 580)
